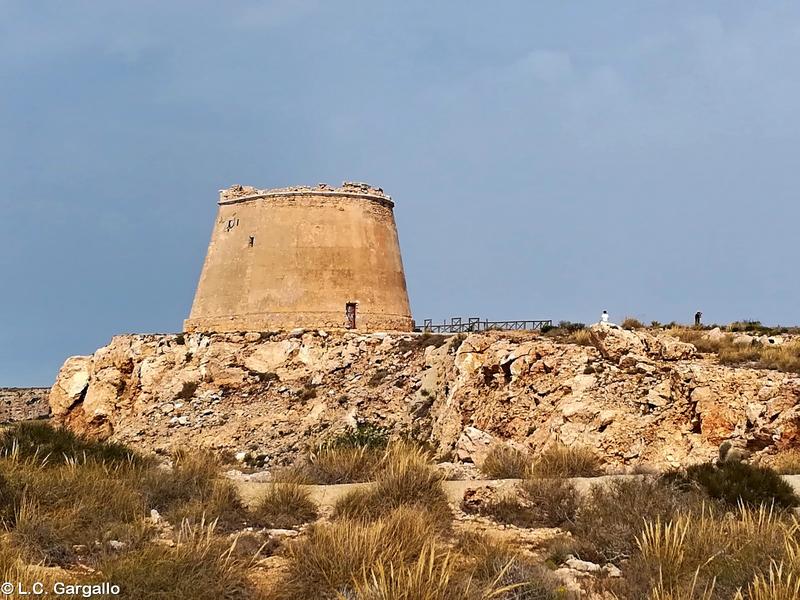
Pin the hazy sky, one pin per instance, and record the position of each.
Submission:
(547, 159)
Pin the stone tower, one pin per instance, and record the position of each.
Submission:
(302, 257)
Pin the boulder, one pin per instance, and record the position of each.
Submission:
(70, 385)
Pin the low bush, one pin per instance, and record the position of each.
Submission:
(566, 461)
(632, 323)
(613, 513)
(285, 505)
(505, 462)
(363, 435)
(52, 445)
(735, 483)
(551, 502)
(421, 341)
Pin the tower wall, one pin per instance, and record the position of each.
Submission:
(295, 257)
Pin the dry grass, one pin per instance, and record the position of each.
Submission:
(786, 462)
(566, 461)
(406, 478)
(612, 515)
(582, 337)
(551, 502)
(505, 462)
(192, 489)
(488, 560)
(335, 464)
(710, 549)
(329, 556)
(200, 566)
(285, 505)
(71, 504)
(785, 357)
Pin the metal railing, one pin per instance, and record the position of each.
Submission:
(458, 325)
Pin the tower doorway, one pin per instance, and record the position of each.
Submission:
(350, 315)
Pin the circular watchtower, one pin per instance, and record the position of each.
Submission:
(302, 257)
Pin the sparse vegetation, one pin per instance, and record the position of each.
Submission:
(200, 566)
(783, 357)
(419, 342)
(505, 462)
(566, 461)
(737, 483)
(612, 515)
(378, 377)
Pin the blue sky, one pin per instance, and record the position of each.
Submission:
(548, 160)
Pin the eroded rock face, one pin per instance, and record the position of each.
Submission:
(633, 397)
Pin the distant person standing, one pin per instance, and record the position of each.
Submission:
(604, 317)
(697, 317)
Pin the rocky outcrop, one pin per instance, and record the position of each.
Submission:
(23, 404)
(633, 397)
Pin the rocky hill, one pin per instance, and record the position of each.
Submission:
(634, 397)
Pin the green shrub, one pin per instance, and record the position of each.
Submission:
(40, 440)
(363, 435)
(284, 506)
(735, 483)
(505, 462)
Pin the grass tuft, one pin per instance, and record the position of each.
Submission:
(284, 506)
(566, 461)
(505, 462)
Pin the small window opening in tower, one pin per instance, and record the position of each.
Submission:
(350, 314)
(231, 224)
(252, 241)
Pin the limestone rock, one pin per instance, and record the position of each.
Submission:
(71, 383)
(633, 397)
